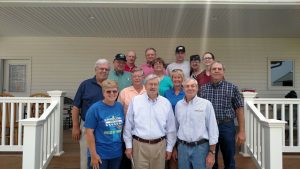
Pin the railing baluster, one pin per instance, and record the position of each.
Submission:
(274, 111)
(291, 127)
(28, 110)
(267, 111)
(3, 137)
(298, 125)
(37, 108)
(21, 115)
(12, 128)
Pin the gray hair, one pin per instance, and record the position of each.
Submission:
(189, 79)
(101, 62)
(151, 77)
(137, 69)
(215, 62)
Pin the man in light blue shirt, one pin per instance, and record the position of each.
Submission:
(118, 74)
(150, 130)
(197, 129)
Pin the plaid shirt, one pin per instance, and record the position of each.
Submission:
(225, 98)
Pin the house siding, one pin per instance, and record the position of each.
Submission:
(61, 63)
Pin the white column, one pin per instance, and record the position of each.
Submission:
(32, 143)
(272, 145)
(59, 97)
(248, 96)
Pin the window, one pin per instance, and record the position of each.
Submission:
(281, 73)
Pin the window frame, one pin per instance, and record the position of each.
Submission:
(270, 74)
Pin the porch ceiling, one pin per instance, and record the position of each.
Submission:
(149, 19)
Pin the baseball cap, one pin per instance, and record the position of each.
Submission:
(120, 56)
(180, 49)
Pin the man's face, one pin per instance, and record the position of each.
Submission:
(137, 78)
(102, 71)
(217, 72)
(207, 59)
(180, 56)
(190, 89)
(152, 86)
(119, 65)
(130, 57)
(150, 55)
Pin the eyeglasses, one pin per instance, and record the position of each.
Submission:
(111, 91)
(102, 69)
(176, 70)
(207, 58)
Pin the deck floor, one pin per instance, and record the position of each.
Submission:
(70, 158)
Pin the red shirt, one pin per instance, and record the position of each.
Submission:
(202, 78)
(128, 69)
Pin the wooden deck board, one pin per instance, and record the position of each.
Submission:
(70, 158)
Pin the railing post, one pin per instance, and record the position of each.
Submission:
(272, 145)
(32, 143)
(248, 96)
(59, 96)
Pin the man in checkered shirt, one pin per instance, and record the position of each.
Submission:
(228, 104)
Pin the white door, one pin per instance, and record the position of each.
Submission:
(17, 77)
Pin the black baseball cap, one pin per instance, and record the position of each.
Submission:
(120, 56)
(195, 57)
(180, 49)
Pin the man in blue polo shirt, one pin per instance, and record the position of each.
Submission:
(89, 92)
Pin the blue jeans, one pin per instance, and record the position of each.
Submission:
(108, 163)
(192, 157)
(227, 145)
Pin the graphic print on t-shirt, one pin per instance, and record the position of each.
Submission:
(113, 126)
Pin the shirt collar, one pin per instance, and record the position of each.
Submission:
(217, 84)
(192, 101)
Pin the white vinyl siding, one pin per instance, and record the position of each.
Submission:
(60, 63)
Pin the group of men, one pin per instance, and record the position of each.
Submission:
(203, 122)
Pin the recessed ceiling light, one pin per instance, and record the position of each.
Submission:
(91, 18)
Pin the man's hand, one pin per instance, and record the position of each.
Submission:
(174, 154)
(240, 138)
(168, 155)
(210, 160)
(76, 132)
(96, 161)
(128, 153)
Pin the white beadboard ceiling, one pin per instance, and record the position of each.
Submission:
(151, 19)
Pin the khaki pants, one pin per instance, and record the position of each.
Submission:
(83, 148)
(149, 156)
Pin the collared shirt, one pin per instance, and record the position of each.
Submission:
(123, 80)
(164, 85)
(129, 69)
(196, 120)
(150, 119)
(173, 98)
(88, 93)
(202, 78)
(127, 94)
(184, 66)
(148, 69)
(225, 98)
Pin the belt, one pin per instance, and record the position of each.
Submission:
(224, 121)
(152, 141)
(194, 143)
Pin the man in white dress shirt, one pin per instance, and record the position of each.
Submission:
(150, 130)
(197, 129)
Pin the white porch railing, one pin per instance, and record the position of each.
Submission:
(42, 123)
(265, 129)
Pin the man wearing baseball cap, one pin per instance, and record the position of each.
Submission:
(180, 63)
(118, 74)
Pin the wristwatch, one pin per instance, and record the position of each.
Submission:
(212, 151)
